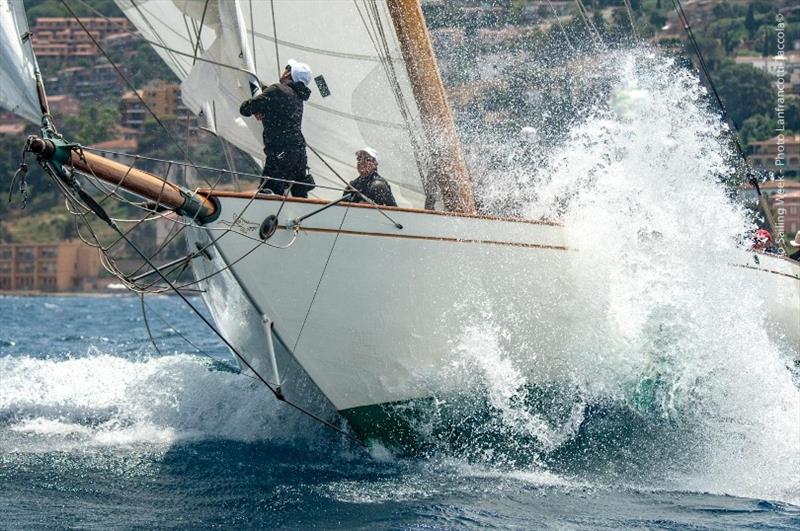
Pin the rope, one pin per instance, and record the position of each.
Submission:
(125, 278)
(374, 28)
(253, 38)
(707, 74)
(157, 35)
(85, 210)
(149, 212)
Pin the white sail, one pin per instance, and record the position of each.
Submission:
(17, 81)
(351, 44)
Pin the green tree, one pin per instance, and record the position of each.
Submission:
(711, 48)
(95, 123)
(55, 8)
(658, 19)
(757, 127)
(750, 21)
(745, 91)
(154, 141)
(792, 114)
(723, 10)
(729, 31)
(765, 40)
(145, 65)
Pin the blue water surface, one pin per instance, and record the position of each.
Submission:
(101, 430)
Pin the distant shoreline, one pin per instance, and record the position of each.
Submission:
(64, 293)
(97, 294)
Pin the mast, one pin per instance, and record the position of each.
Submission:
(448, 166)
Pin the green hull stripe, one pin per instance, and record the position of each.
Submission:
(389, 424)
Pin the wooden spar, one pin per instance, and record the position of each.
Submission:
(137, 181)
(448, 166)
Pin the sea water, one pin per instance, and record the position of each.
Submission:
(678, 410)
(98, 430)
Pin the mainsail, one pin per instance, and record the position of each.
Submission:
(17, 64)
(218, 48)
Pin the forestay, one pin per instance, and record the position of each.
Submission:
(17, 80)
(352, 44)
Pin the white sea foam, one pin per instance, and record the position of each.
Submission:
(107, 401)
(667, 327)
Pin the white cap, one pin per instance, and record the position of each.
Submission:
(301, 72)
(369, 151)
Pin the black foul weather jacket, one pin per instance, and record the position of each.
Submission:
(281, 107)
(373, 186)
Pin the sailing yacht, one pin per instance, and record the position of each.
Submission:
(354, 304)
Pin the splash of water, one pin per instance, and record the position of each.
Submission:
(672, 334)
(102, 400)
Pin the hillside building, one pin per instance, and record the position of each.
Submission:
(63, 37)
(164, 99)
(48, 267)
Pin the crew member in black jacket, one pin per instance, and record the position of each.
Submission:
(280, 109)
(368, 182)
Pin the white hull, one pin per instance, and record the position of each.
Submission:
(373, 313)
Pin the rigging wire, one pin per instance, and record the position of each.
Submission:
(90, 205)
(82, 205)
(558, 20)
(157, 34)
(146, 307)
(734, 132)
(584, 13)
(108, 263)
(701, 60)
(163, 185)
(147, 325)
(352, 189)
(402, 105)
(253, 38)
(373, 25)
(200, 166)
(200, 32)
(231, 162)
(319, 282)
(632, 18)
(161, 45)
(124, 78)
(70, 186)
(275, 33)
(190, 31)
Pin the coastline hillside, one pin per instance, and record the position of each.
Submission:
(485, 49)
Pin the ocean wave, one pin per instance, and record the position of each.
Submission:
(109, 400)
